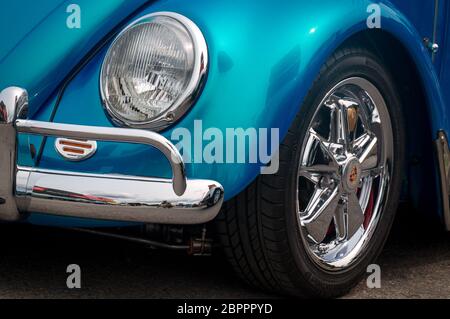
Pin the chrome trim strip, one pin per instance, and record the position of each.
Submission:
(443, 155)
(435, 46)
(113, 135)
(116, 197)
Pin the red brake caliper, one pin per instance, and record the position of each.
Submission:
(369, 211)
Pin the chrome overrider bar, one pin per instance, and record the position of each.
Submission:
(110, 197)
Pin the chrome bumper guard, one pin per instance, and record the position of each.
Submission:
(443, 156)
(109, 197)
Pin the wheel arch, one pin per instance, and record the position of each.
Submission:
(421, 188)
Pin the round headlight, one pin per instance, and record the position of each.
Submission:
(153, 71)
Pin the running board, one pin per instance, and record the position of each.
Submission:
(443, 155)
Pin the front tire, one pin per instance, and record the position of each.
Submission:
(313, 228)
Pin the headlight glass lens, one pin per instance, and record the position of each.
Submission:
(147, 70)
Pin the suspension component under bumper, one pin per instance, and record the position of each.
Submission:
(110, 197)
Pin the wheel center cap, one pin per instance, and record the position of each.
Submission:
(351, 175)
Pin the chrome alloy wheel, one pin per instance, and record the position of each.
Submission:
(344, 173)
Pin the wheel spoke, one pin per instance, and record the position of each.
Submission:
(372, 172)
(365, 148)
(349, 217)
(320, 212)
(355, 215)
(315, 172)
(343, 132)
(320, 169)
(343, 120)
(332, 150)
(340, 221)
(311, 176)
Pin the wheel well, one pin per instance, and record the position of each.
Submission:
(421, 180)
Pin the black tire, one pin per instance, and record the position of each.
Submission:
(258, 228)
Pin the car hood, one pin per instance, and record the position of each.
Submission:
(38, 47)
(19, 18)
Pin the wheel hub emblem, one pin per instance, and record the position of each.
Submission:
(351, 176)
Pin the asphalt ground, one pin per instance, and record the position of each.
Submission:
(33, 262)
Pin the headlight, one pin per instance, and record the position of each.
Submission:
(153, 71)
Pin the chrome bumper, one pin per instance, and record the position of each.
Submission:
(110, 197)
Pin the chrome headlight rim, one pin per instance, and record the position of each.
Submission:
(193, 89)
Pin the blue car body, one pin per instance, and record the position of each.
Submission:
(264, 56)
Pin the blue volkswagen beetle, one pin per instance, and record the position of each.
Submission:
(287, 132)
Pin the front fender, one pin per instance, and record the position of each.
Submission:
(264, 57)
